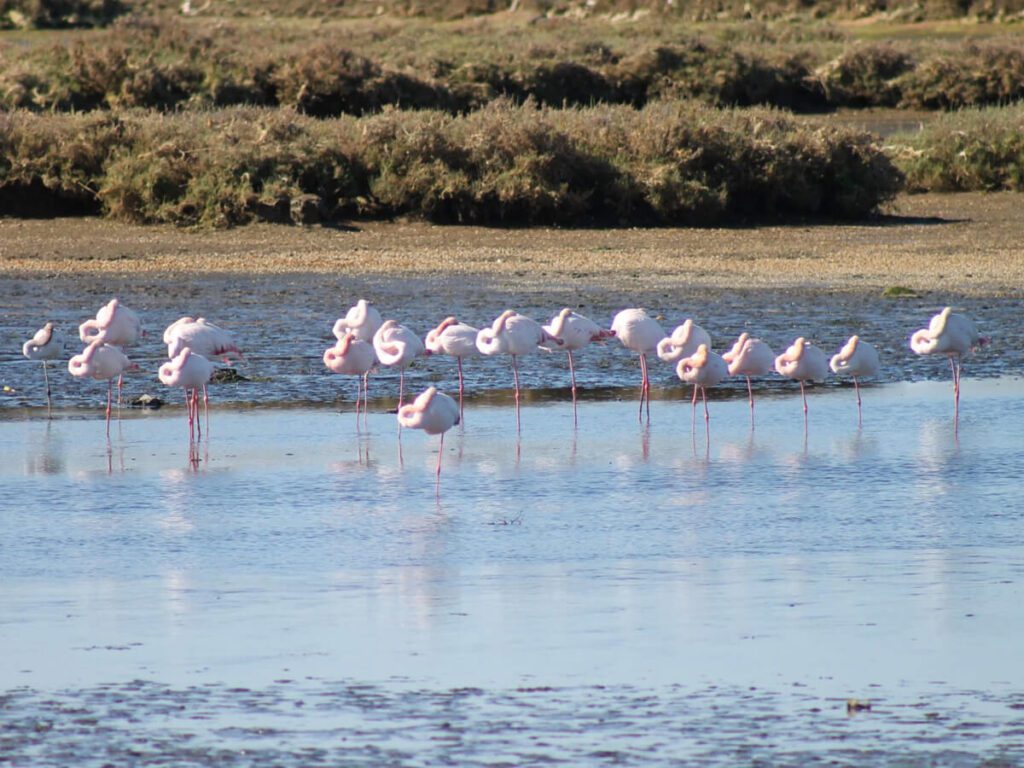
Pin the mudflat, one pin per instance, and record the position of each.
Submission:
(969, 243)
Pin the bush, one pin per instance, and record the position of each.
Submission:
(970, 76)
(967, 151)
(865, 76)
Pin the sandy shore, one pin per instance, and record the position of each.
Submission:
(967, 243)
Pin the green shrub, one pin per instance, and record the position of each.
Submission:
(966, 151)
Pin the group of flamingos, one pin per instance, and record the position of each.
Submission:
(365, 339)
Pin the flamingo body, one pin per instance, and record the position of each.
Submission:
(638, 331)
(188, 369)
(948, 333)
(683, 342)
(574, 331)
(703, 368)
(802, 362)
(99, 361)
(511, 334)
(363, 320)
(453, 339)
(749, 357)
(396, 346)
(114, 324)
(46, 344)
(857, 358)
(202, 337)
(432, 411)
(351, 355)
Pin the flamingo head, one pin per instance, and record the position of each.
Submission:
(432, 336)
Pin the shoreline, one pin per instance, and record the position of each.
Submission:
(967, 243)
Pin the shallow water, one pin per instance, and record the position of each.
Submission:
(299, 592)
(284, 324)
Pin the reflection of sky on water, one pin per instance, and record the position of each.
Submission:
(291, 545)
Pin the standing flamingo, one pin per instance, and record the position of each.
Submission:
(453, 339)
(101, 362)
(640, 333)
(354, 357)
(749, 357)
(703, 369)
(574, 332)
(513, 334)
(205, 339)
(190, 371)
(435, 413)
(802, 362)
(114, 324)
(683, 342)
(396, 347)
(47, 344)
(363, 320)
(857, 359)
(952, 335)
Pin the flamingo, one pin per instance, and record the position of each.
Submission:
(703, 369)
(354, 357)
(435, 413)
(453, 339)
(640, 333)
(513, 334)
(114, 324)
(952, 335)
(749, 357)
(574, 332)
(47, 344)
(396, 347)
(205, 339)
(188, 370)
(857, 359)
(101, 362)
(802, 362)
(683, 342)
(363, 320)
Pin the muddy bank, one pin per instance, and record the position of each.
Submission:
(964, 243)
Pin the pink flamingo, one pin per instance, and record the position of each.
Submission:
(683, 342)
(749, 357)
(574, 332)
(363, 320)
(703, 369)
(640, 333)
(857, 359)
(802, 362)
(435, 413)
(952, 335)
(354, 357)
(47, 344)
(205, 339)
(396, 347)
(513, 334)
(190, 371)
(101, 362)
(114, 324)
(453, 339)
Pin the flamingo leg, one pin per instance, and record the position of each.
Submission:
(206, 410)
(704, 396)
(188, 413)
(195, 411)
(110, 396)
(366, 398)
(572, 376)
(359, 396)
(515, 381)
(803, 395)
(693, 405)
(46, 378)
(643, 388)
(461, 385)
(119, 393)
(750, 396)
(401, 387)
(956, 392)
(440, 452)
(856, 388)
